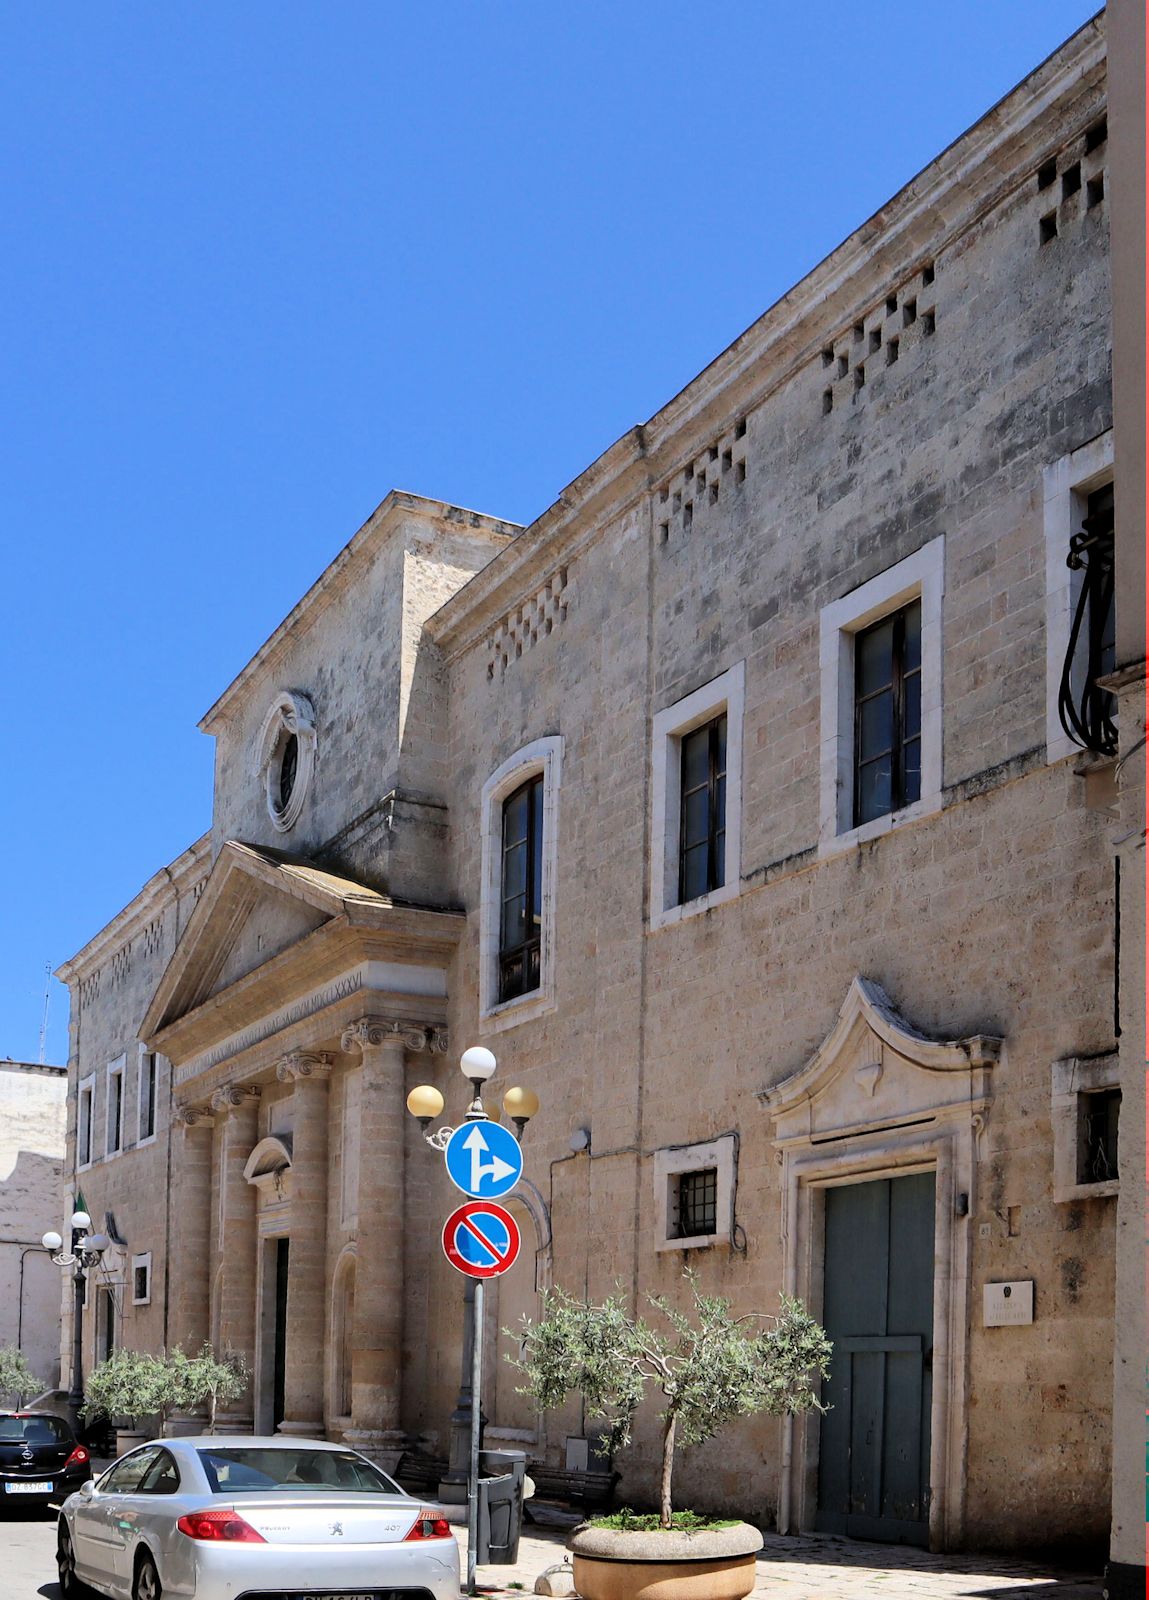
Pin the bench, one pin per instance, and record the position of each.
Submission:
(586, 1490)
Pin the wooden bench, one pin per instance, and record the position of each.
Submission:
(585, 1490)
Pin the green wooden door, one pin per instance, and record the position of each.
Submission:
(874, 1451)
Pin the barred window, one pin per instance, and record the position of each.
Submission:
(697, 1203)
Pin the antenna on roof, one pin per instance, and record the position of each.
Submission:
(44, 1019)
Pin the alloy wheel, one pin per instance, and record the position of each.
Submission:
(148, 1585)
(66, 1565)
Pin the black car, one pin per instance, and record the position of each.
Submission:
(41, 1459)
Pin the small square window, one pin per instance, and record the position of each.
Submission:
(1096, 136)
(1047, 174)
(909, 313)
(694, 1195)
(1047, 228)
(142, 1280)
(1071, 180)
(1097, 1149)
(697, 1211)
(1094, 191)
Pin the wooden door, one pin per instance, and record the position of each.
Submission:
(874, 1450)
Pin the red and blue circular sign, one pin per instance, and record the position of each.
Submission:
(481, 1239)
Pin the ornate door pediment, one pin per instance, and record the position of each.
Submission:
(875, 1071)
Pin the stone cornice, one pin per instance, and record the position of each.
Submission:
(334, 957)
(164, 886)
(340, 573)
(948, 197)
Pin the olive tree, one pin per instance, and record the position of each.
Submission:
(709, 1365)
(17, 1380)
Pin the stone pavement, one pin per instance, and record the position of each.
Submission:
(808, 1568)
(819, 1567)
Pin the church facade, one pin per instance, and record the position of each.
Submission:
(741, 805)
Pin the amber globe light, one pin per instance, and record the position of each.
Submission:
(425, 1103)
(522, 1103)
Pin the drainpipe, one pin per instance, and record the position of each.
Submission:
(20, 1291)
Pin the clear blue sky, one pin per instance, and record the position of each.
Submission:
(264, 261)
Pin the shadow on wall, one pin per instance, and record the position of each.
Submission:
(31, 1200)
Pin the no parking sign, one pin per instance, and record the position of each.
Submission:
(481, 1239)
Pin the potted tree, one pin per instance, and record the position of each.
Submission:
(17, 1380)
(128, 1388)
(710, 1367)
(210, 1382)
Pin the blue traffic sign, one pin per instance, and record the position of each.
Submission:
(483, 1160)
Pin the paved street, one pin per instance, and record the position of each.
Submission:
(790, 1569)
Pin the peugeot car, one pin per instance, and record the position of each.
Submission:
(227, 1518)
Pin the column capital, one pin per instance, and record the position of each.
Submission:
(186, 1115)
(304, 1064)
(371, 1032)
(234, 1095)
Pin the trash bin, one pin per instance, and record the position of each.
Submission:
(501, 1476)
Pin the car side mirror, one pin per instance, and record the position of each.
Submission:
(87, 1488)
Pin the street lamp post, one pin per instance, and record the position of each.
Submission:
(425, 1103)
(86, 1251)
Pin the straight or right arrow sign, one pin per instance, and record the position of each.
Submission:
(483, 1160)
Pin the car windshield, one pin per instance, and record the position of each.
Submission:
(291, 1470)
(34, 1430)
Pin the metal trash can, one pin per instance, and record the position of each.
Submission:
(501, 1477)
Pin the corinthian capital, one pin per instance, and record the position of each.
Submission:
(234, 1095)
(304, 1064)
(371, 1032)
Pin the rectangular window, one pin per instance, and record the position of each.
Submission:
(888, 714)
(698, 1203)
(147, 1097)
(521, 905)
(84, 1124)
(702, 839)
(1098, 1150)
(114, 1125)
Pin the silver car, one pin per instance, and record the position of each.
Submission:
(228, 1518)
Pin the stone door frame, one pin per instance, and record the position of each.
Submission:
(880, 1100)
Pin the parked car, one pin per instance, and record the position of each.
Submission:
(40, 1459)
(221, 1516)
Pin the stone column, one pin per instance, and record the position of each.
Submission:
(238, 1242)
(377, 1334)
(189, 1260)
(307, 1262)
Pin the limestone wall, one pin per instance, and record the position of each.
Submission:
(32, 1116)
(994, 916)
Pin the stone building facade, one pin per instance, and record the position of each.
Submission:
(730, 803)
(32, 1117)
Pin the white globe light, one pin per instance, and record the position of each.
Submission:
(97, 1241)
(51, 1241)
(81, 1219)
(478, 1063)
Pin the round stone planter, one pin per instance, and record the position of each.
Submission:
(717, 1565)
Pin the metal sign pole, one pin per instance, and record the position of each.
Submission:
(476, 1426)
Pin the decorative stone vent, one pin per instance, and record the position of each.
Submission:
(153, 937)
(90, 988)
(879, 339)
(522, 628)
(1071, 183)
(716, 471)
(121, 964)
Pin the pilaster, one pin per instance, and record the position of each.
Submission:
(237, 1112)
(306, 1278)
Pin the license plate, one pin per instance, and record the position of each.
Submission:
(343, 1595)
(29, 1488)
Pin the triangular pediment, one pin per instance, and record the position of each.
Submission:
(875, 1070)
(256, 903)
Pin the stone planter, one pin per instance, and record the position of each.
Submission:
(128, 1438)
(612, 1565)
